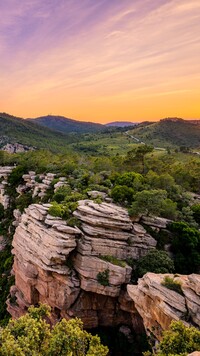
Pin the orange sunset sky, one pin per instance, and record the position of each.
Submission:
(100, 60)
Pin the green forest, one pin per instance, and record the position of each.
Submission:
(137, 177)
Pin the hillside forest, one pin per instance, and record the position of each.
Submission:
(144, 180)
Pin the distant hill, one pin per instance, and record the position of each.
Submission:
(17, 130)
(121, 124)
(65, 125)
(169, 132)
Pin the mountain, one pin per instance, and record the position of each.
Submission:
(18, 130)
(65, 125)
(168, 132)
(121, 124)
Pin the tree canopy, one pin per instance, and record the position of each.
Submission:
(31, 335)
(178, 340)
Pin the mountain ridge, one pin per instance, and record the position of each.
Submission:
(65, 125)
(17, 130)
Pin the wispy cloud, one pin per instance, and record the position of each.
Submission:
(70, 50)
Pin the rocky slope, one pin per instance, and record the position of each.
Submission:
(158, 305)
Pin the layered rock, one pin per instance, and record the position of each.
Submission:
(82, 272)
(62, 265)
(41, 246)
(4, 174)
(158, 305)
(108, 230)
(41, 239)
(38, 185)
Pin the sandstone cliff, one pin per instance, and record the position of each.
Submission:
(61, 265)
(66, 267)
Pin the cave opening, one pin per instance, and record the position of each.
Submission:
(122, 340)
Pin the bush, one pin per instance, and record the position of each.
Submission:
(186, 247)
(122, 194)
(113, 260)
(63, 211)
(56, 210)
(170, 283)
(155, 261)
(103, 277)
(23, 201)
(196, 212)
(179, 340)
(61, 193)
(15, 177)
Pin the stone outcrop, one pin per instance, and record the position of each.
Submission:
(108, 230)
(158, 305)
(62, 265)
(3, 243)
(38, 185)
(16, 148)
(41, 246)
(82, 272)
(4, 174)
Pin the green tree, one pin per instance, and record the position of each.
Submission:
(153, 202)
(31, 335)
(179, 340)
(137, 156)
(196, 212)
(130, 179)
(186, 247)
(155, 261)
(122, 194)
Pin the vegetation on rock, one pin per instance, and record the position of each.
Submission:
(103, 278)
(172, 284)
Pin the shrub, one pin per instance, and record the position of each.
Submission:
(61, 193)
(122, 194)
(103, 277)
(113, 260)
(186, 247)
(63, 211)
(23, 201)
(56, 210)
(170, 283)
(196, 212)
(155, 261)
(179, 340)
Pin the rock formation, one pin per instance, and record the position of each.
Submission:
(4, 174)
(62, 265)
(16, 148)
(83, 271)
(158, 305)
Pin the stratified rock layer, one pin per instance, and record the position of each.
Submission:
(83, 271)
(4, 174)
(158, 305)
(60, 265)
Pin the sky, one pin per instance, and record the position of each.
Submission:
(100, 60)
